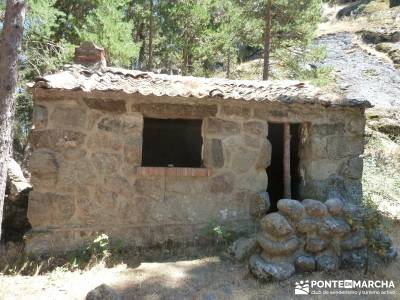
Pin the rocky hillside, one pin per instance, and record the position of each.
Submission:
(362, 42)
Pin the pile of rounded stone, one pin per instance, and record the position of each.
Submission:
(307, 236)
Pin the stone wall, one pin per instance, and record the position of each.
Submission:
(310, 235)
(87, 174)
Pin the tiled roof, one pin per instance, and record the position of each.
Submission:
(77, 77)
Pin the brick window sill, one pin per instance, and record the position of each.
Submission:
(173, 172)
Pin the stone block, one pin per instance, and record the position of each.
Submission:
(214, 153)
(44, 165)
(339, 147)
(329, 129)
(256, 128)
(304, 263)
(57, 139)
(307, 226)
(133, 150)
(264, 157)
(276, 225)
(327, 263)
(106, 105)
(46, 209)
(74, 154)
(291, 208)
(356, 126)
(323, 169)
(315, 208)
(105, 142)
(222, 184)
(273, 248)
(315, 245)
(221, 127)
(356, 240)
(353, 168)
(243, 160)
(318, 148)
(269, 271)
(336, 227)
(251, 141)
(125, 125)
(335, 206)
(259, 204)
(40, 116)
(166, 110)
(150, 186)
(235, 111)
(106, 163)
(68, 117)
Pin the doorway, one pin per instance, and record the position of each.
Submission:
(275, 171)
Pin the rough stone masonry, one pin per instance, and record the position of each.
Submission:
(311, 235)
(87, 140)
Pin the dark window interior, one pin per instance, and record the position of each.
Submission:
(172, 143)
(275, 170)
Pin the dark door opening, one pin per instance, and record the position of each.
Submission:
(172, 143)
(275, 170)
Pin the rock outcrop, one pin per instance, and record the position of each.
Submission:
(15, 221)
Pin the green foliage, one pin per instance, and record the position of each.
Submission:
(368, 217)
(217, 233)
(106, 25)
(96, 251)
(199, 37)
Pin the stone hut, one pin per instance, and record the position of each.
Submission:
(148, 158)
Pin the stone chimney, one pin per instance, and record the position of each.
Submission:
(89, 54)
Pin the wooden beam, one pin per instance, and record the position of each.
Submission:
(287, 191)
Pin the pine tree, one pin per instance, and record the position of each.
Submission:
(292, 26)
(108, 26)
(11, 40)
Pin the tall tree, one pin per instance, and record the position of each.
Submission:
(267, 39)
(12, 36)
(151, 34)
(108, 26)
(285, 28)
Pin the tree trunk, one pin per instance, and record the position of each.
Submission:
(185, 61)
(140, 38)
(228, 64)
(151, 33)
(267, 39)
(12, 35)
(287, 190)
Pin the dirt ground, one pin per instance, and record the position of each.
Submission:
(208, 278)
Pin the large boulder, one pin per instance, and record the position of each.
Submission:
(268, 271)
(259, 204)
(16, 180)
(103, 292)
(305, 263)
(315, 208)
(15, 221)
(335, 206)
(278, 248)
(276, 225)
(327, 263)
(292, 208)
